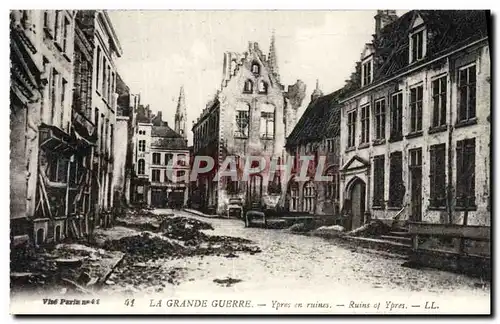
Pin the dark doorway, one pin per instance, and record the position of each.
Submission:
(358, 190)
(254, 191)
(416, 184)
(39, 236)
(58, 234)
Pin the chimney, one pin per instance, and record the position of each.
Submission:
(159, 115)
(384, 18)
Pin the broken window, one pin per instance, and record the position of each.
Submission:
(439, 102)
(242, 116)
(396, 185)
(58, 168)
(365, 124)
(141, 165)
(437, 175)
(267, 125)
(262, 86)
(378, 178)
(467, 93)
(397, 117)
(309, 197)
(380, 119)
(156, 158)
(416, 95)
(466, 168)
(351, 127)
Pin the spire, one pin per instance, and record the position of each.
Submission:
(273, 62)
(317, 92)
(180, 114)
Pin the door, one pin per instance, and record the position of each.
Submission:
(416, 184)
(157, 198)
(358, 204)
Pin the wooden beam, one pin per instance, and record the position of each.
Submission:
(480, 233)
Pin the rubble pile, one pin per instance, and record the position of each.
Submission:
(147, 247)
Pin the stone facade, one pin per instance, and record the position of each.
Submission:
(426, 122)
(246, 118)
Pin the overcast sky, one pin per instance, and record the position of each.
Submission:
(163, 50)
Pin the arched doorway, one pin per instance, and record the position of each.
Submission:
(357, 192)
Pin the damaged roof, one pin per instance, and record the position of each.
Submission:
(447, 30)
(320, 120)
(165, 137)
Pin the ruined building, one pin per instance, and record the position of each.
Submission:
(58, 74)
(251, 115)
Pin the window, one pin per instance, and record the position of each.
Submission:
(380, 119)
(46, 21)
(467, 93)
(330, 147)
(181, 159)
(397, 117)
(63, 101)
(168, 157)
(232, 187)
(466, 168)
(65, 34)
(165, 176)
(156, 158)
(262, 86)
(437, 175)
(309, 195)
(53, 95)
(57, 25)
(98, 69)
(294, 196)
(255, 68)
(378, 178)
(103, 83)
(248, 87)
(267, 123)
(396, 185)
(365, 124)
(367, 71)
(439, 102)
(96, 118)
(142, 146)
(417, 46)
(141, 165)
(332, 187)
(242, 116)
(351, 128)
(155, 175)
(416, 95)
(180, 176)
(58, 168)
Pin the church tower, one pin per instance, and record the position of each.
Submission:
(180, 114)
(272, 59)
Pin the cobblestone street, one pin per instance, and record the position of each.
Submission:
(311, 267)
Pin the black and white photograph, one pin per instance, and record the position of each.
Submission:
(271, 162)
